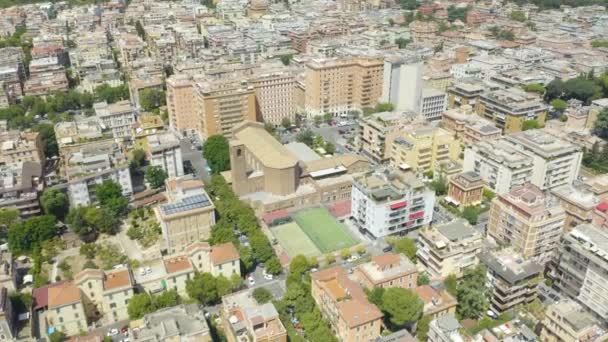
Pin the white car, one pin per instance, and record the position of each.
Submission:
(113, 332)
(268, 276)
(251, 281)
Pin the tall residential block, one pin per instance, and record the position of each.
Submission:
(275, 96)
(181, 105)
(529, 220)
(164, 150)
(342, 85)
(402, 83)
(581, 270)
(223, 104)
(568, 321)
(510, 108)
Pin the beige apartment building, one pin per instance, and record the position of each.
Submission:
(579, 204)
(423, 149)
(118, 290)
(222, 259)
(18, 147)
(387, 270)
(223, 104)
(275, 96)
(179, 270)
(529, 220)
(449, 249)
(568, 321)
(90, 282)
(510, 108)
(187, 216)
(344, 304)
(380, 127)
(65, 310)
(465, 189)
(341, 85)
(182, 104)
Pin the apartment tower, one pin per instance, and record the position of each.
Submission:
(181, 104)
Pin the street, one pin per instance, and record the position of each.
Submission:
(190, 154)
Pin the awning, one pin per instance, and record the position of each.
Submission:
(398, 205)
(417, 215)
(451, 200)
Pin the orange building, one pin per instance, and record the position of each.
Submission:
(465, 189)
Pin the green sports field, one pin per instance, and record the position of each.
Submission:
(324, 230)
(294, 241)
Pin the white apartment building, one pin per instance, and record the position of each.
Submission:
(117, 117)
(444, 329)
(433, 103)
(402, 83)
(164, 150)
(556, 161)
(387, 205)
(501, 166)
(448, 249)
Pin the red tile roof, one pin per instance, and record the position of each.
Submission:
(221, 254)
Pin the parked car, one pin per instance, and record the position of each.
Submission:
(112, 332)
(251, 281)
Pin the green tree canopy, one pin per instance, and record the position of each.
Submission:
(138, 158)
(54, 202)
(471, 214)
(140, 305)
(535, 88)
(601, 124)
(518, 16)
(299, 265)
(422, 328)
(8, 217)
(31, 233)
(402, 306)
(261, 295)
(472, 293)
(216, 152)
(405, 246)
(530, 124)
(151, 99)
(559, 104)
(155, 176)
(306, 137)
(48, 139)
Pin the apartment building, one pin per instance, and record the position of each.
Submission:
(444, 329)
(529, 220)
(271, 177)
(448, 249)
(20, 186)
(468, 127)
(581, 270)
(387, 270)
(402, 83)
(393, 204)
(510, 108)
(118, 290)
(433, 103)
(90, 282)
(176, 323)
(146, 125)
(47, 77)
(80, 131)
(423, 149)
(512, 279)
(19, 147)
(579, 204)
(117, 117)
(467, 91)
(465, 189)
(164, 150)
(87, 165)
(568, 321)
(437, 301)
(556, 162)
(223, 104)
(275, 96)
(344, 304)
(376, 129)
(501, 166)
(8, 319)
(188, 214)
(65, 311)
(342, 85)
(182, 105)
(179, 270)
(222, 259)
(244, 319)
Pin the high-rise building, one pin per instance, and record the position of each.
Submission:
(275, 96)
(402, 83)
(341, 85)
(568, 321)
(433, 103)
(223, 104)
(529, 220)
(581, 270)
(181, 105)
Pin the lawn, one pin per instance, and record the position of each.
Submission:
(294, 241)
(324, 230)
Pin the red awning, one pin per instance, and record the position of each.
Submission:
(602, 206)
(398, 205)
(417, 215)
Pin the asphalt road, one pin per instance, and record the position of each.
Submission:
(195, 157)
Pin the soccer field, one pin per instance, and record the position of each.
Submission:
(324, 230)
(293, 240)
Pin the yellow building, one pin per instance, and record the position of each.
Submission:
(510, 108)
(118, 290)
(181, 104)
(223, 104)
(222, 259)
(179, 270)
(341, 85)
(188, 215)
(65, 310)
(423, 149)
(146, 125)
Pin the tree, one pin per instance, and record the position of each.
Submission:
(451, 284)
(328, 117)
(559, 105)
(110, 94)
(54, 202)
(457, 13)
(166, 299)
(273, 265)
(155, 176)
(375, 295)
(530, 124)
(384, 107)
(77, 224)
(306, 137)
(405, 246)
(518, 16)
(138, 158)
(601, 124)
(139, 28)
(345, 253)
(402, 42)
(261, 295)
(408, 4)
(8, 217)
(422, 328)
(57, 336)
(472, 293)
(423, 279)
(317, 119)
(535, 88)
(471, 214)
(31, 233)
(88, 250)
(286, 59)
(151, 99)
(216, 152)
(330, 258)
(140, 305)
(330, 148)
(299, 265)
(48, 139)
(222, 232)
(402, 306)
(107, 191)
(286, 123)
(202, 287)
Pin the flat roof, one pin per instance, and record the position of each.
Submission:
(186, 204)
(264, 146)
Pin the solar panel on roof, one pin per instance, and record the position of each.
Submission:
(186, 204)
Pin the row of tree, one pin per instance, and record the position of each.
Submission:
(584, 88)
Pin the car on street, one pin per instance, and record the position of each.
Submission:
(125, 330)
(112, 332)
(251, 281)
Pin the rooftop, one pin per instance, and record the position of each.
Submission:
(263, 146)
(183, 320)
(511, 266)
(457, 230)
(63, 294)
(532, 202)
(178, 264)
(223, 253)
(187, 204)
(542, 143)
(117, 280)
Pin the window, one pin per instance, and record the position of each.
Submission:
(112, 305)
(90, 285)
(76, 315)
(74, 306)
(60, 319)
